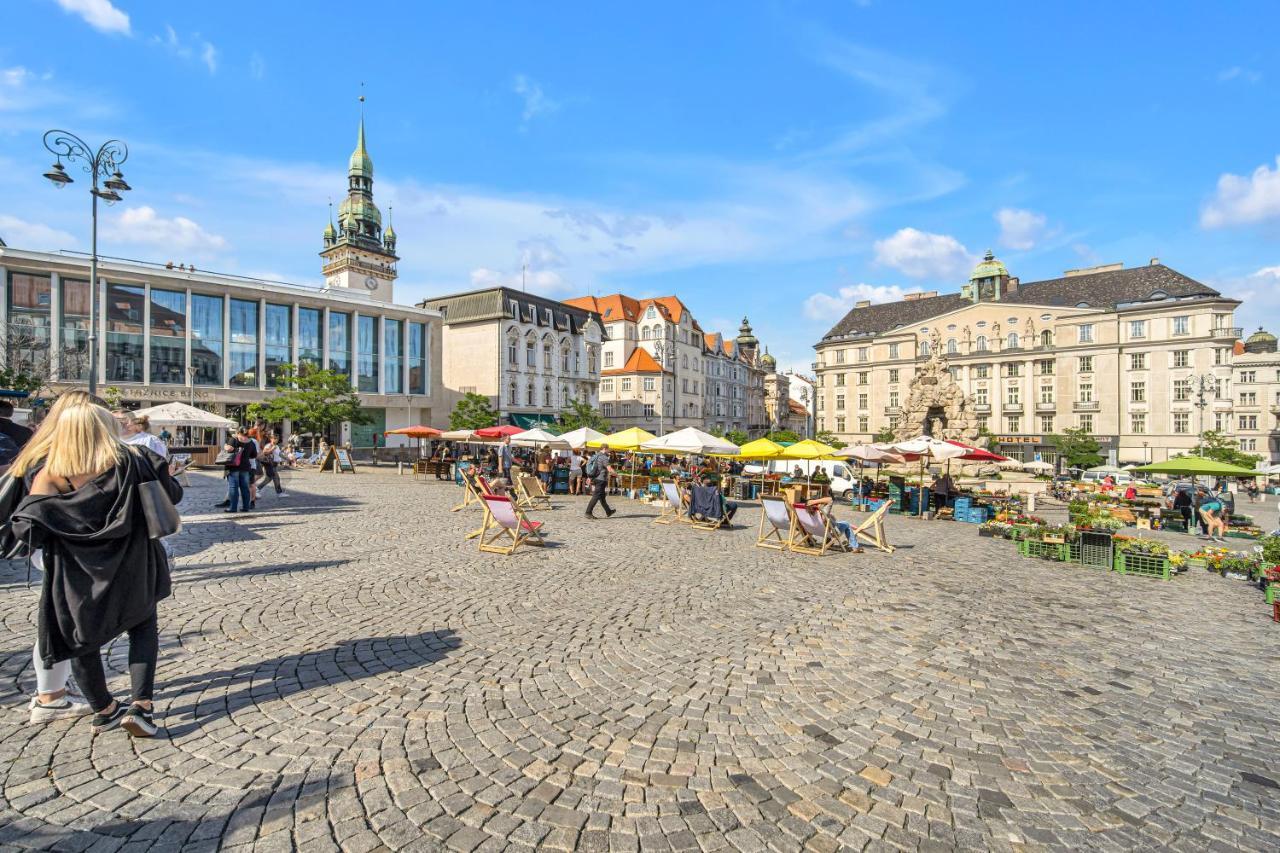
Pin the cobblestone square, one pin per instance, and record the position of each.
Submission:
(342, 670)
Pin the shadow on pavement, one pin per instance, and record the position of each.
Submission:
(213, 572)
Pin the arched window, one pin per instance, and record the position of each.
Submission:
(564, 396)
(513, 395)
(658, 332)
(1046, 338)
(924, 349)
(547, 360)
(564, 356)
(646, 333)
(528, 395)
(684, 362)
(981, 343)
(1012, 341)
(951, 346)
(546, 395)
(513, 348)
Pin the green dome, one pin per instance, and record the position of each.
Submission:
(1261, 336)
(360, 208)
(989, 268)
(360, 163)
(768, 361)
(329, 231)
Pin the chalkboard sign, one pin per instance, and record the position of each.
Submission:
(345, 462)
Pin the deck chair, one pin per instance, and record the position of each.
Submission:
(813, 532)
(482, 487)
(675, 509)
(471, 491)
(531, 493)
(775, 524)
(871, 531)
(706, 508)
(181, 462)
(505, 527)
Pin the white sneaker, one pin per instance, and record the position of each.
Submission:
(281, 495)
(67, 707)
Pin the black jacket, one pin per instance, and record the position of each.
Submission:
(103, 574)
(248, 452)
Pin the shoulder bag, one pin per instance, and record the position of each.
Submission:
(162, 516)
(12, 491)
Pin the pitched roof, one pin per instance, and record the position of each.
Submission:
(639, 362)
(610, 308)
(1101, 290)
(796, 408)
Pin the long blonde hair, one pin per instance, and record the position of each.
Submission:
(78, 437)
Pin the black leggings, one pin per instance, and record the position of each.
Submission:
(270, 472)
(144, 649)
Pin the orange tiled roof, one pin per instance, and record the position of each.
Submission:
(639, 362)
(610, 308)
(796, 408)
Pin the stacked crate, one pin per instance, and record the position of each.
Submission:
(968, 512)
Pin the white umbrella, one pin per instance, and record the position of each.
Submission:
(458, 435)
(869, 453)
(691, 440)
(539, 438)
(578, 438)
(1106, 469)
(927, 447)
(1010, 464)
(182, 415)
(1037, 465)
(1274, 469)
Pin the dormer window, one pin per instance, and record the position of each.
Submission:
(651, 313)
(514, 308)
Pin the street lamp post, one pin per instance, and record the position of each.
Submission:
(1202, 383)
(104, 165)
(664, 352)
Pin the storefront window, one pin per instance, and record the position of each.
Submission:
(310, 338)
(418, 359)
(243, 351)
(391, 357)
(206, 338)
(340, 342)
(367, 362)
(73, 361)
(168, 337)
(124, 332)
(27, 341)
(279, 341)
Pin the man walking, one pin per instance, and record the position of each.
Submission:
(598, 470)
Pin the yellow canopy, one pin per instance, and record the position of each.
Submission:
(628, 439)
(807, 449)
(761, 448)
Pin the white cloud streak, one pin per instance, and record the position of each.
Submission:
(920, 254)
(198, 49)
(830, 308)
(1243, 200)
(536, 102)
(142, 226)
(1020, 229)
(19, 233)
(99, 14)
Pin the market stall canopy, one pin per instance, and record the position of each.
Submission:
(1106, 469)
(579, 438)
(1197, 466)
(761, 448)
(869, 453)
(1274, 469)
(978, 454)
(182, 415)
(628, 439)
(418, 431)
(499, 431)
(539, 438)
(808, 449)
(1037, 465)
(1010, 465)
(458, 435)
(691, 440)
(932, 448)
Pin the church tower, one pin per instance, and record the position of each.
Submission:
(357, 255)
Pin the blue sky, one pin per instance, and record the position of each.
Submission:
(774, 159)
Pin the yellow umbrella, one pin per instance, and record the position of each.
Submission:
(628, 439)
(807, 449)
(761, 448)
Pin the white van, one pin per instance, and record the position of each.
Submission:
(841, 474)
(1121, 479)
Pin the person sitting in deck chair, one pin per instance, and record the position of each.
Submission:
(708, 501)
(824, 505)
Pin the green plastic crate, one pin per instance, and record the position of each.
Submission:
(1273, 591)
(1040, 550)
(1142, 564)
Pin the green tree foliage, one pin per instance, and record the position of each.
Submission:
(1218, 447)
(885, 434)
(783, 435)
(581, 414)
(828, 437)
(737, 436)
(16, 380)
(1077, 448)
(472, 412)
(112, 396)
(313, 399)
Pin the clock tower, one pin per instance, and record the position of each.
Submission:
(358, 255)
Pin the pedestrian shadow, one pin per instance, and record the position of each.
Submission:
(284, 676)
(214, 572)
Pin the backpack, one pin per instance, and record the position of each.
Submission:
(593, 467)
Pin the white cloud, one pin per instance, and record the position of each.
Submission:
(1236, 72)
(197, 48)
(142, 226)
(99, 14)
(1241, 201)
(830, 308)
(257, 66)
(1020, 229)
(536, 102)
(209, 56)
(33, 235)
(920, 254)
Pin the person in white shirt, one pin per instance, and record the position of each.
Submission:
(134, 429)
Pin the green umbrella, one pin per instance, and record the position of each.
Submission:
(1196, 466)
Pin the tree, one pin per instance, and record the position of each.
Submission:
(829, 438)
(313, 399)
(782, 435)
(581, 414)
(1077, 448)
(472, 412)
(737, 436)
(28, 359)
(1216, 446)
(112, 396)
(884, 435)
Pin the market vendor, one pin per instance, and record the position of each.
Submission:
(942, 488)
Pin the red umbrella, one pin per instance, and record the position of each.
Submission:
(977, 454)
(418, 431)
(499, 431)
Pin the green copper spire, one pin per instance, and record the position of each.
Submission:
(361, 165)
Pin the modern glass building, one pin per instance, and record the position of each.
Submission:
(217, 341)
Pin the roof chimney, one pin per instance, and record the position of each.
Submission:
(1155, 262)
(1012, 286)
(862, 303)
(911, 297)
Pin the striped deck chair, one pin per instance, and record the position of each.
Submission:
(471, 491)
(675, 507)
(872, 530)
(813, 532)
(530, 493)
(775, 524)
(505, 527)
(482, 487)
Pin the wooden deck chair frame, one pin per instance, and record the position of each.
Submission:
(482, 488)
(674, 510)
(872, 532)
(471, 491)
(179, 472)
(530, 492)
(772, 534)
(505, 522)
(806, 541)
(708, 523)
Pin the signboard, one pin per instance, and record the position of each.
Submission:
(345, 462)
(337, 459)
(1104, 440)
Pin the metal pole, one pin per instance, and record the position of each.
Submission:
(93, 291)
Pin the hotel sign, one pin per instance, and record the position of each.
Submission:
(1040, 439)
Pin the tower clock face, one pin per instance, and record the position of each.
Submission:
(371, 283)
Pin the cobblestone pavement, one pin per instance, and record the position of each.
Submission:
(342, 670)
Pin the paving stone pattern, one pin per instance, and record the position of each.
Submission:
(341, 670)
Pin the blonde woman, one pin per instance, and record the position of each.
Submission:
(103, 573)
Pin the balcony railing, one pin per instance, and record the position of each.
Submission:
(1012, 408)
(892, 410)
(982, 407)
(1233, 332)
(1086, 405)
(1046, 407)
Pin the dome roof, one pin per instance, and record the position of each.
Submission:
(360, 163)
(989, 268)
(360, 208)
(1260, 341)
(329, 230)
(768, 361)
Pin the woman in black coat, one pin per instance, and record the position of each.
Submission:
(103, 573)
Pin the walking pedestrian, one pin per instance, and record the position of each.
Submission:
(270, 459)
(598, 470)
(17, 435)
(135, 430)
(103, 571)
(575, 473)
(544, 467)
(239, 470)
